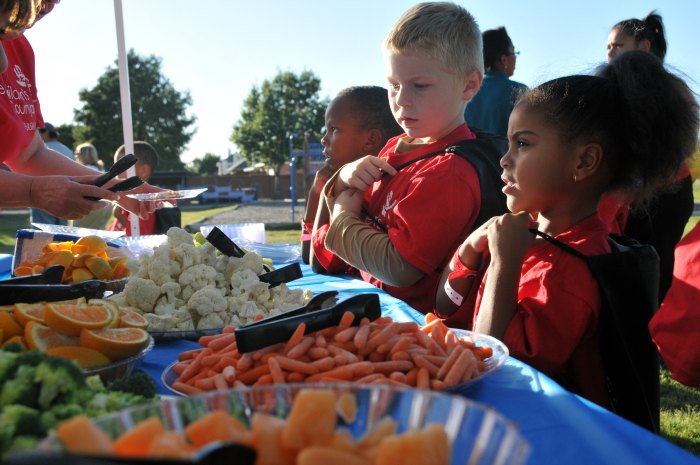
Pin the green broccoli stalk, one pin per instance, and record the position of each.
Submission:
(60, 379)
(21, 389)
(8, 364)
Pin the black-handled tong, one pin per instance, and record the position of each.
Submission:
(263, 334)
(226, 246)
(14, 293)
(125, 185)
(123, 164)
(51, 275)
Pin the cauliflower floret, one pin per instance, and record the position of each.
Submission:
(248, 311)
(207, 300)
(253, 262)
(159, 322)
(212, 320)
(243, 279)
(142, 293)
(232, 320)
(187, 255)
(120, 300)
(177, 236)
(138, 267)
(169, 302)
(196, 278)
(159, 265)
(208, 254)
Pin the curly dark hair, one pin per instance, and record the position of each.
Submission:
(371, 105)
(650, 28)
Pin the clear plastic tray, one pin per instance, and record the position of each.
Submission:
(121, 368)
(477, 433)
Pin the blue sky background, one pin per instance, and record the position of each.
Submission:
(219, 49)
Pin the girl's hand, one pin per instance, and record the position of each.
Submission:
(474, 246)
(509, 237)
(362, 173)
(349, 200)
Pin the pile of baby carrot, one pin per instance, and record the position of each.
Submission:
(381, 351)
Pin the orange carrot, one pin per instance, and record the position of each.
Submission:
(381, 337)
(317, 353)
(290, 364)
(186, 388)
(361, 336)
(245, 363)
(423, 379)
(275, 371)
(253, 374)
(229, 373)
(454, 375)
(345, 321)
(220, 382)
(388, 367)
(324, 364)
(301, 348)
(430, 317)
(296, 337)
(428, 342)
(451, 359)
(221, 341)
(345, 354)
(422, 362)
(295, 377)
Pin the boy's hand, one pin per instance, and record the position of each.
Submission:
(350, 200)
(142, 209)
(509, 237)
(362, 173)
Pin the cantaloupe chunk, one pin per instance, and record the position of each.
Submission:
(312, 419)
(137, 441)
(216, 426)
(267, 440)
(317, 455)
(347, 407)
(170, 444)
(79, 435)
(427, 446)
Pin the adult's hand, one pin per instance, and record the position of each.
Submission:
(66, 196)
(143, 209)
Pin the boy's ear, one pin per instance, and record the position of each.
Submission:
(472, 84)
(373, 142)
(588, 161)
(644, 45)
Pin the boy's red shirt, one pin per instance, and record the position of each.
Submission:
(428, 208)
(146, 227)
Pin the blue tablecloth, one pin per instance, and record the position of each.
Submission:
(561, 427)
(5, 266)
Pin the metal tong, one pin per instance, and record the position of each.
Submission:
(119, 167)
(226, 246)
(266, 333)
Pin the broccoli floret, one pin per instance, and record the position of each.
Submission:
(31, 358)
(51, 418)
(94, 383)
(23, 444)
(13, 347)
(60, 379)
(138, 383)
(8, 364)
(23, 420)
(21, 389)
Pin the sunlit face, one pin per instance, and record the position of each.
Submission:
(426, 99)
(538, 167)
(345, 138)
(619, 42)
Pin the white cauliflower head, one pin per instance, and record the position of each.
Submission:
(207, 300)
(142, 293)
(177, 236)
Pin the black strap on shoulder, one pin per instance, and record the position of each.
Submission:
(628, 280)
(484, 154)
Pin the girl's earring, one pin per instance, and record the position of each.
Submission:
(574, 178)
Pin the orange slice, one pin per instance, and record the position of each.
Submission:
(131, 319)
(24, 313)
(84, 356)
(111, 307)
(71, 319)
(41, 337)
(115, 343)
(9, 325)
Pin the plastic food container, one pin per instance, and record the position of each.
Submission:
(121, 368)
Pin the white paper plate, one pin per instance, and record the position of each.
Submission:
(168, 195)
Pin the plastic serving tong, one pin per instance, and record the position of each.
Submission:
(226, 246)
(263, 334)
(119, 167)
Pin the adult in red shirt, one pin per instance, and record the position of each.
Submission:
(33, 179)
(675, 328)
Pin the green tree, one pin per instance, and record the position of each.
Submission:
(206, 165)
(287, 104)
(159, 112)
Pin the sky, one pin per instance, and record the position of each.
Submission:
(218, 50)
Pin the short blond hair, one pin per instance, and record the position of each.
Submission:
(87, 154)
(443, 30)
